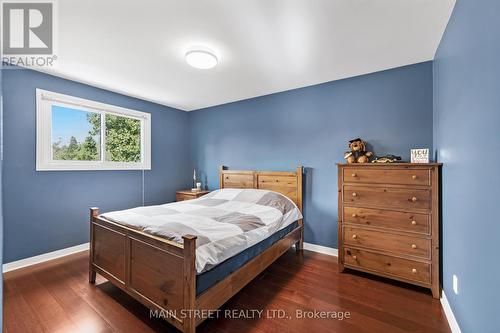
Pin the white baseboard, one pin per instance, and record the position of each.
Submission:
(452, 321)
(321, 249)
(11, 266)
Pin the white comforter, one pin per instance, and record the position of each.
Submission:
(225, 221)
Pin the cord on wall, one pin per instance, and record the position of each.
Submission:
(143, 190)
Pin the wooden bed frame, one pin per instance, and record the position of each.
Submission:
(161, 274)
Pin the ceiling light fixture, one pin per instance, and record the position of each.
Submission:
(201, 57)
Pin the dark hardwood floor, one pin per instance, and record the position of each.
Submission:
(56, 297)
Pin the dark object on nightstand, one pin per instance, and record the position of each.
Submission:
(189, 195)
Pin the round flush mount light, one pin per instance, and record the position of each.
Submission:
(201, 57)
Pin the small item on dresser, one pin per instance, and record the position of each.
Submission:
(357, 153)
(387, 159)
(419, 155)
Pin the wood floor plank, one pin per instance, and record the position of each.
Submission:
(51, 316)
(359, 319)
(56, 297)
(367, 302)
(18, 317)
(59, 285)
(353, 289)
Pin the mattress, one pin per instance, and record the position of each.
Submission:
(226, 221)
(224, 269)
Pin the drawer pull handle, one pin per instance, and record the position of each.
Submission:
(354, 175)
(354, 236)
(414, 271)
(414, 199)
(413, 246)
(354, 194)
(354, 215)
(414, 177)
(414, 222)
(355, 257)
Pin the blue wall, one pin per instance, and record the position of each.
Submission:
(467, 140)
(310, 126)
(1, 201)
(47, 211)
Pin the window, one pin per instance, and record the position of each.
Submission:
(78, 134)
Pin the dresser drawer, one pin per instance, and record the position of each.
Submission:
(384, 264)
(387, 197)
(403, 221)
(383, 241)
(387, 176)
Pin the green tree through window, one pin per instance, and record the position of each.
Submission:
(123, 141)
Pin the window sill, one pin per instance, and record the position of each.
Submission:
(91, 166)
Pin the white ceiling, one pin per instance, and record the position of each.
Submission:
(264, 46)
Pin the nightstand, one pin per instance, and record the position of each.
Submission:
(188, 195)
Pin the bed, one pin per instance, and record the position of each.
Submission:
(160, 268)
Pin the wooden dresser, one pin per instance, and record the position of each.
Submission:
(389, 221)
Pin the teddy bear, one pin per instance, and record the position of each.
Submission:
(357, 153)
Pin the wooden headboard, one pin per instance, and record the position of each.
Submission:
(284, 182)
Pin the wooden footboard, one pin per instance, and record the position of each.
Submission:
(162, 275)
(158, 273)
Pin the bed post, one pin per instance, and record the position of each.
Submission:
(94, 212)
(189, 283)
(221, 176)
(299, 246)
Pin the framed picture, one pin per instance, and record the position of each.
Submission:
(419, 155)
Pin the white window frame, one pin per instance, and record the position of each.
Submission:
(44, 162)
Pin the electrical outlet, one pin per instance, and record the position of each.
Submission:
(455, 284)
